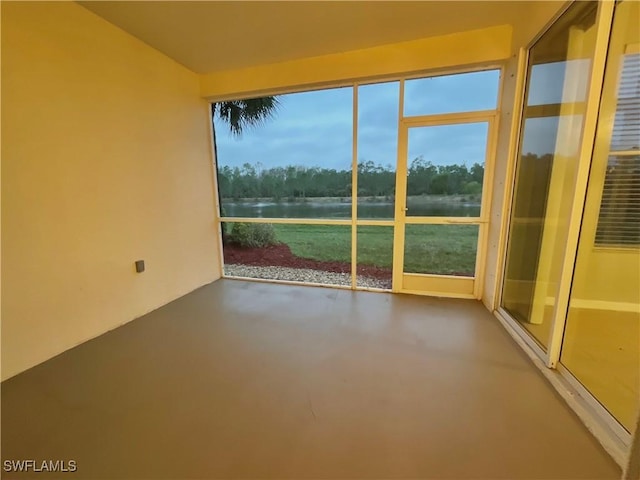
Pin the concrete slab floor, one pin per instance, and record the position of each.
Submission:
(254, 380)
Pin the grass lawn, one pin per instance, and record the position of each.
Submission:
(443, 249)
(318, 242)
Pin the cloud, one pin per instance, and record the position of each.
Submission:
(449, 144)
(311, 128)
(315, 128)
(448, 94)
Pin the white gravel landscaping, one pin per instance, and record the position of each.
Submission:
(300, 275)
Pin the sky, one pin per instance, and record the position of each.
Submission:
(315, 129)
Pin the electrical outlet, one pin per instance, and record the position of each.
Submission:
(139, 266)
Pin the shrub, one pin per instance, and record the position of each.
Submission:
(253, 235)
(473, 187)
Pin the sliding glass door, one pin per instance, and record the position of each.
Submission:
(601, 346)
(553, 116)
(571, 283)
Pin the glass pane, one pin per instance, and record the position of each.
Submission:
(375, 257)
(377, 149)
(441, 249)
(601, 344)
(445, 170)
(298, 253)
(546, 169)
(295, 164)
(463, 92)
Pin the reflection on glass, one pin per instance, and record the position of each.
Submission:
(601, 343)
(446, 169)
(375, 257)
(441, 249)
(463, 92)
(377, 149)
(297, 253)
(546, 170)
(295, 164)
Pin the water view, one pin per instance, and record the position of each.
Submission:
(458, 207)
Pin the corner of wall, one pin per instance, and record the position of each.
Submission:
(105, 161)
(510, 108)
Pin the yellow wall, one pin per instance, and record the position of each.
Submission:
(538, 16)
(507, 123)
(105, 160)
(485, 46)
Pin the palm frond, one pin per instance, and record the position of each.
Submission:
(241, 114)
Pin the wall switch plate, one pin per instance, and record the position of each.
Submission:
(139, 266)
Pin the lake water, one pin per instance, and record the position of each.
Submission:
(336, 209)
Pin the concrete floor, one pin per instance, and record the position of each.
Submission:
(251, 380)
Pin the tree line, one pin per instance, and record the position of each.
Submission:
(299, 182)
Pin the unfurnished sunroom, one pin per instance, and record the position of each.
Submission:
(481, 158)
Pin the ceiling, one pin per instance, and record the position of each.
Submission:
(209, 36)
